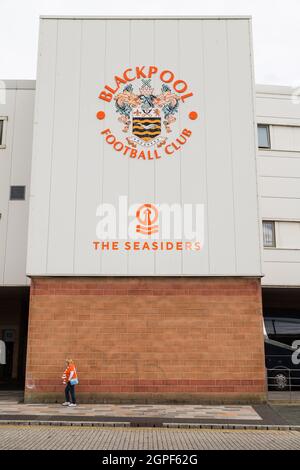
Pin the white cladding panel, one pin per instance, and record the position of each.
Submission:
(74, 169)
(16, 104)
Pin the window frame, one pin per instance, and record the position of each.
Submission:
(3, 136)
(273, 222)
(266, 126)
(17, 186)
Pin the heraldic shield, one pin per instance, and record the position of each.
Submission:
(146, 128)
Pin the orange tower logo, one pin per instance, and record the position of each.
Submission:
(147, 216)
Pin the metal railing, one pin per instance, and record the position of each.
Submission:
(283, 383)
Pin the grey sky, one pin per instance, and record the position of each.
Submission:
(276, 30)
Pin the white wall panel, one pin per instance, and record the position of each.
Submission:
(193, 168)
(222, 239)
(42, 149)
(285, 138)
(276, 105)
(280, 187)
(278, 209)
(64, 149)
(281, 167)
(281, 256)
(141, 180)
(90, 148)
(281, 274)
(288, 235)
(243, 170)
(115, 167)
(74, 169)
(168, 169)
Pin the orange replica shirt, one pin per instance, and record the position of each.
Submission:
(70, 373)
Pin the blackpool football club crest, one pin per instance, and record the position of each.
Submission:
(147, 116)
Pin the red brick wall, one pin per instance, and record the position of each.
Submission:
(147, 339)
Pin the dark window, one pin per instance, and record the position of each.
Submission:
(17, 193)
(282, 325)
(269, 325)
(263, 132)
(287, 326)
(1, 130)
(269, 234)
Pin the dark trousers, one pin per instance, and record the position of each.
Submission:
(70, 391)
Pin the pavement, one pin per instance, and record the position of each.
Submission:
(85, 438)
(144, 415)
(147, 427)
(264, 416)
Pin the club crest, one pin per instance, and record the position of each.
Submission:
(147, 116)
(146, 113)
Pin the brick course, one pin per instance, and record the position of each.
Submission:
(147, 339)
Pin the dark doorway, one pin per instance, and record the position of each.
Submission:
(14, 307)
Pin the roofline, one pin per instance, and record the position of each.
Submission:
(17, 84)
(140, 17)
(275, 89)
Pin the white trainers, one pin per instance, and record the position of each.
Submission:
(72, 404)
(66, 403)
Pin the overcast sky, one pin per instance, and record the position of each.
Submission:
(276, 29)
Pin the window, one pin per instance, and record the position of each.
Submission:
(263, 131)
(1, 131)
(269, 234)
(282, 325)
(17, 193)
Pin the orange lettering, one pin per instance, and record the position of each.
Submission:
(140, 73)
(105, 96)
(176, 147)
(167, 149)
(152, 70)
(118, 146)
(119, 80)
(167, 80)
(125, 75)
(187, 132)
(142, 155)
(184, 97)
(110, 139)
(106, 131)
(175, 86)
(126, 149)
